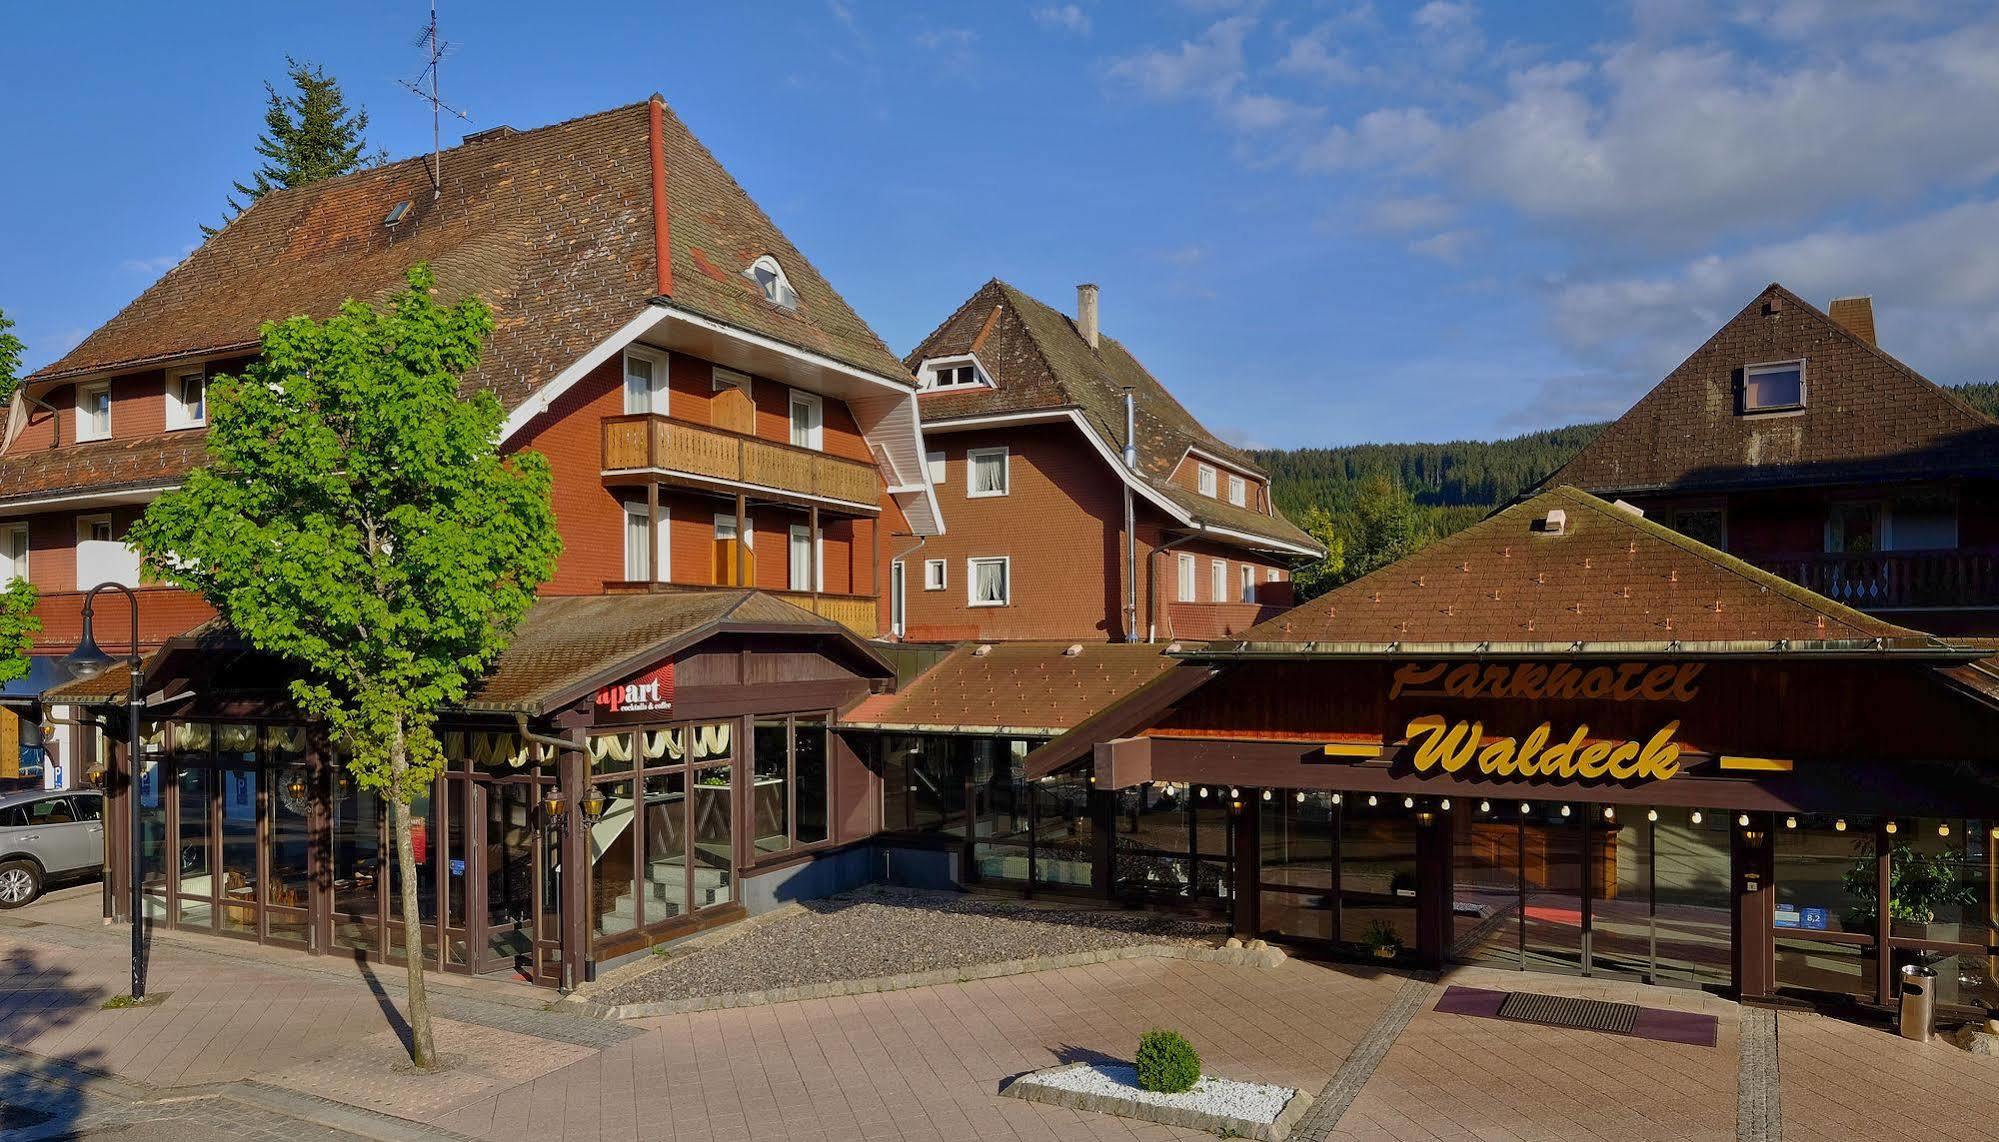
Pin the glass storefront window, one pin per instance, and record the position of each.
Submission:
(666, 845)
(999, 809)
(356, 850)
(1064, 837)
(287, 886)
(614, 846)
(196, 883)
(1693, 897)
(1485, 912)
(1377, 873)
(1299, 838)
(811, 779)
(714, 853)
(770, 799)
(153, 861)
(1152, 851)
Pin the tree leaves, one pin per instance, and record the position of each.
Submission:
(357, 519)
(11, 352)
(18, 624)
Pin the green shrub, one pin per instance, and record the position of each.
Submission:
(1167, 1063)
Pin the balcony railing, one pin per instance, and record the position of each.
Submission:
(1205, 621)
(649, 442)
(1891, 580)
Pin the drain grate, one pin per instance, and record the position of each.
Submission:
(1563, 1011)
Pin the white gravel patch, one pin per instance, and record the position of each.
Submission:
(1227, 1098)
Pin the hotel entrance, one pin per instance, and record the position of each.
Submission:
(1601, 890)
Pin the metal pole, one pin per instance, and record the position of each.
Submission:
(132, 699)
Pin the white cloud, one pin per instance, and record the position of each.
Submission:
(1394, 137)
(1689, 143)
(946, 39)
(1252, 113)
(1934, 283)
(1064, 18)
(1315, 56)
(1445, 246)
(1211, 65)
(1416, 212)
(1450, 32)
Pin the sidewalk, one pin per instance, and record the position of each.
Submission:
(257, 1044)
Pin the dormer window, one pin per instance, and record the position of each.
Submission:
(1204, 479)
(954, 373)
(187, 399)
(1238, 490)
(93, 411)
(1775, 387)
(770, 278)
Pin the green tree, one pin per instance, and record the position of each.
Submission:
(308, 135)
(11, 352)
(18, 624)
(1312, 581)
(358, 521)
(1383, 526)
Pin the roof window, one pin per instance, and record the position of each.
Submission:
(770, 278)
(953, 373)
(1775, 387)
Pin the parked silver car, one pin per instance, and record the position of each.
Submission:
(48, 835)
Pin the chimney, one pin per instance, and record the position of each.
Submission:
(1855, 315)
(1086, 312)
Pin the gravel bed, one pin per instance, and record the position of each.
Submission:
(1226, 1098)
(874, 933)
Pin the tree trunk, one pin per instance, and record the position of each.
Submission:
(422, 1052)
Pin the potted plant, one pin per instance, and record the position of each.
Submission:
(1383, 940)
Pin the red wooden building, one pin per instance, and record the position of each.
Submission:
(1793, 440)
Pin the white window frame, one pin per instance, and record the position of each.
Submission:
(777, 289)
(720, 378)
(1204, 479)
(86, 527)
(1247, 580)
(13, 537)
(1804, 386)
(1272, 576)
(1218, 581)
(930, 381)
(1238, 490)
(818, 546)
(972, 580)
(936, 574)
(658, 396)
(937, 467)
(815, 429)
(662, 549)
(178, 416)
(747, 532)
(1187, 579)
(972, 458)
(85, 430)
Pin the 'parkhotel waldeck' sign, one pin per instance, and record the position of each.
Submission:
(1452, 745)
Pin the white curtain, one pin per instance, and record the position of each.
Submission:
(989, 582)
(989, 474)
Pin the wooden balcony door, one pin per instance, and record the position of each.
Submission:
(735, 554)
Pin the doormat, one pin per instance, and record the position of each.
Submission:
(1582, 1014)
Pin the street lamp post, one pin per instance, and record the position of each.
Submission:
(87, 661)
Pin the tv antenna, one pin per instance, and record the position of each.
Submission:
(436, 47)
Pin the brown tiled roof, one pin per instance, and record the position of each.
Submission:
(100, 465)
(1040, 362)
(552, 226)
(564, 645)
(1027, 688)
(1610, 577)
(1867, 416)
(576, 641)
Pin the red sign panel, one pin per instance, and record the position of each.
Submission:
(650, 693)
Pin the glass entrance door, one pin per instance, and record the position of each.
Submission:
(1555, 912)
(519, 876)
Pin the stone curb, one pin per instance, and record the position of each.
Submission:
(1248, 956)
(1274, 1131)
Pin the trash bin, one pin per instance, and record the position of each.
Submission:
(1919, 1001)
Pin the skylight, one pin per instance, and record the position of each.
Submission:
(397, 213)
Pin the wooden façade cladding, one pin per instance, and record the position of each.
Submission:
(1793, 710)
(645, 442)
(733, 675)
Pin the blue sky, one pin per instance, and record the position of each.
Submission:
(1319, 223)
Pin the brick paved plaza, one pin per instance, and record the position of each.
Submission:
(265, 1045)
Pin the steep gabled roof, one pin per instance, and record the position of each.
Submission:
(1609, 577)
(552, 226)
(1039, 362)
(1867, 416)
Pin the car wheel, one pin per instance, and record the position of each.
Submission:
(20, 882)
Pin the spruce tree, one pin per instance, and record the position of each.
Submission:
(308, 135)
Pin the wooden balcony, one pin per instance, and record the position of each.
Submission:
(1897, 580)
(643, 444)
(1206, 621)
